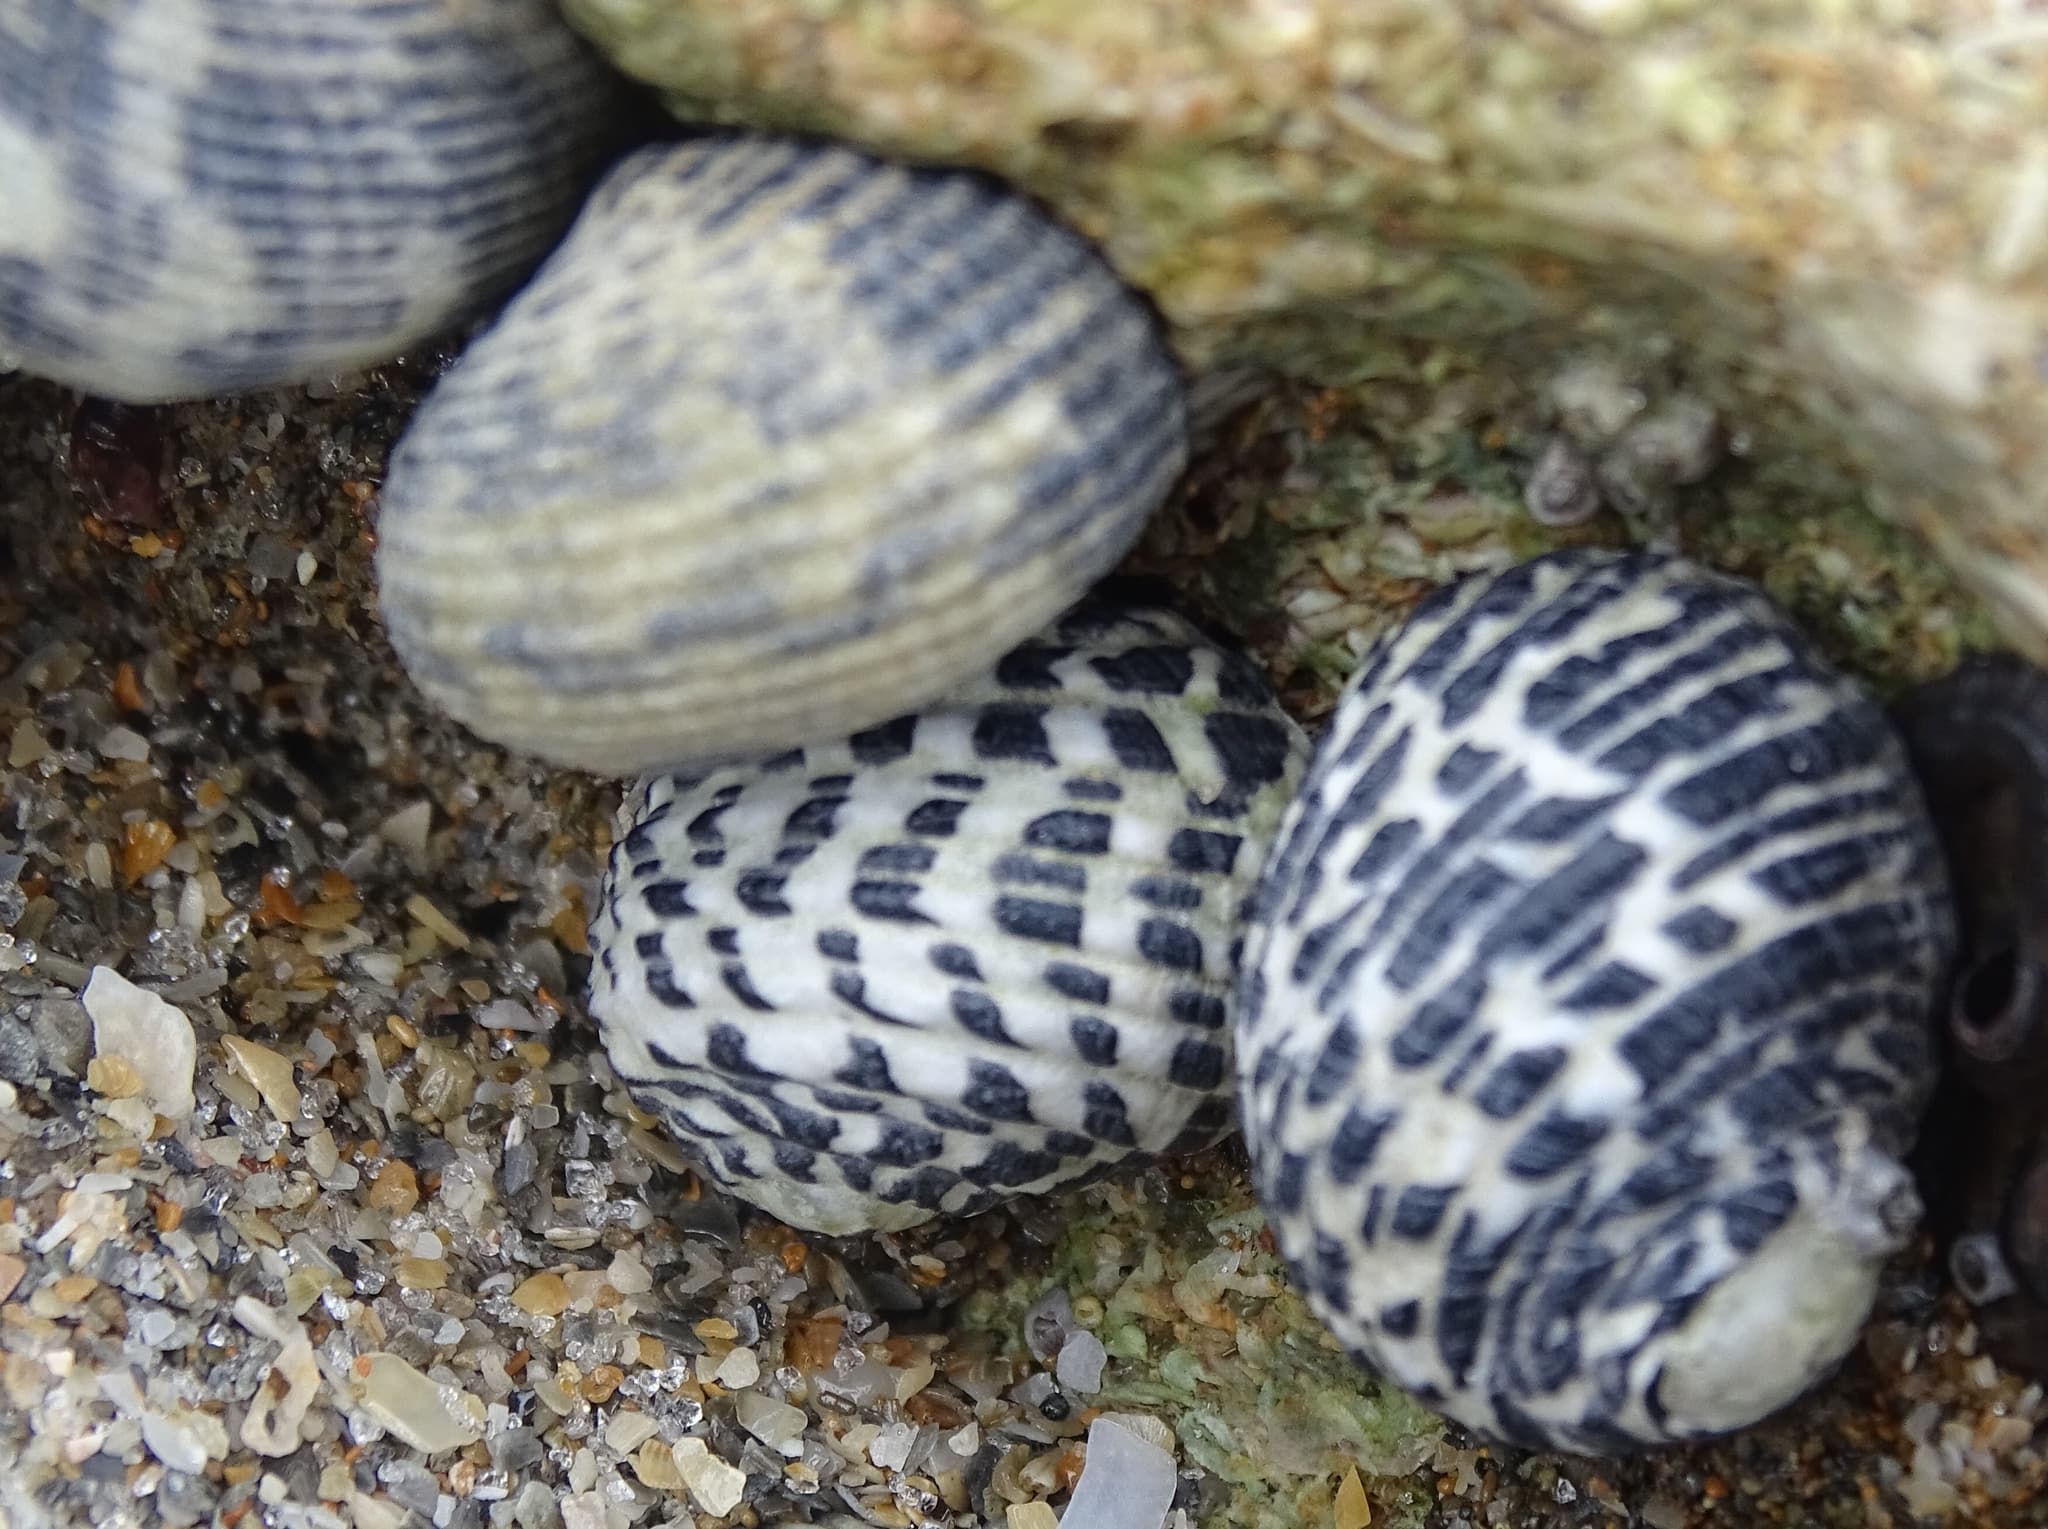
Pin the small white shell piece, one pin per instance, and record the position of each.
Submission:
(783, 441)
(201, 197)
(967, 954)
(1584, 1013)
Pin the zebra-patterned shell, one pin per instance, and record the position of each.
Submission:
(972, 953)
(783, 441)
(1584, 1011)
(200, 197)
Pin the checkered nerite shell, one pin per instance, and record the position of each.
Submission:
(779, 421)
(200, 197)
(1584, 1009)
(971, 953)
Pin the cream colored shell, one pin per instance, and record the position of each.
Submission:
(783, 441)
(200, 197)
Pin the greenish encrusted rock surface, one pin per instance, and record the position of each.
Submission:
(1833, 215)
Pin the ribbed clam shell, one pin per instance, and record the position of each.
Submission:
(199, 197)
(784, 440)
(1584, 1012)
(971, 953)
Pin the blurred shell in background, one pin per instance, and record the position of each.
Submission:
(201, 197)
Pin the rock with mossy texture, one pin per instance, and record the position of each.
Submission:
(1835, 217)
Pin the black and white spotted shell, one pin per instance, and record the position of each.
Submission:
(785, 440)
(200, 197)
(967, 954)
(1584, 1012)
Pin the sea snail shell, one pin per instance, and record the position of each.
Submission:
(1584, 1010)
(1978, 739)
(784, 440)
(200, 197)
(975, 952)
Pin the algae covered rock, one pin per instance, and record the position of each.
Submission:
(1837, 215)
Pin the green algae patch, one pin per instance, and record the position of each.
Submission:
(1174, 1273)
(1316, 515)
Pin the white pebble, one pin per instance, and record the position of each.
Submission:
(322, 1155)
(510, 1014)
(628, 1275)
(776, 1424)
(155, 1037)
(26, 745)
(1146, 1427)
(582, 1471)
(425, 1414)
(738, 1370)
(376, 1512)
(379, 966)
(627, 1431)
(192, 907)
(406, 829)
(119, 742)
(186, 1441)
